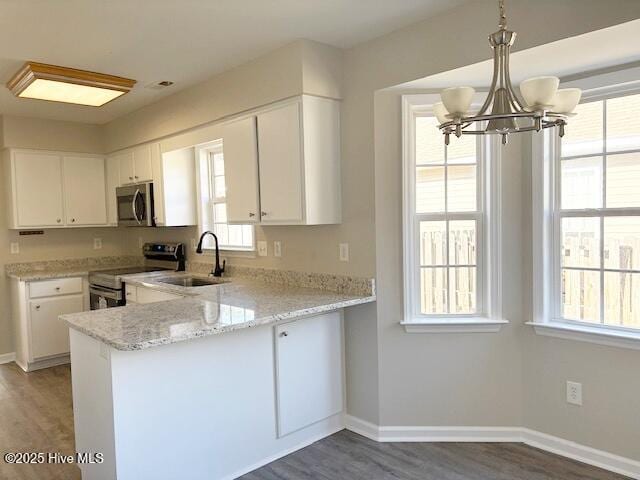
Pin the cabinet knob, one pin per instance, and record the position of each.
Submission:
(57, 289)
(135, 176)
(264, 214)
(130, 178)
(73, 220)
(58, 220)
(251, 214)
(284, 334)
(37, 307)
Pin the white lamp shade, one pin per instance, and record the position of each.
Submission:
(457, 100)
(440, 112)
(539, 91)
(566, 100)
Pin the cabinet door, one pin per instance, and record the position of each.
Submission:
(241, 171)
(84, 189)
(112, 182)
(280, 160)
(49, 334)
(308, 371)
(38, 189)
(148, 295)
(142, 169)
(125, 165)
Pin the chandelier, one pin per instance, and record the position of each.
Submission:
(538, 105)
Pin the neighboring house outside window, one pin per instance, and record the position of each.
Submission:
(213, 208)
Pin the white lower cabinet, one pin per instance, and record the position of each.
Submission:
(309, 371)
(136, 295)
(49, 334)
(41, 338)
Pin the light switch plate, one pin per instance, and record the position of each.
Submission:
(344, 252)
(262, 248)
(97, 243)
(277, 249)
(15, 247)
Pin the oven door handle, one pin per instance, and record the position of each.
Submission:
(114, 295)
(133, 206)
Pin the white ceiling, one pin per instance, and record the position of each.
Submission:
(564, 58)
(185, 41)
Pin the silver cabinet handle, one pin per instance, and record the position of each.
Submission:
(284, 334)
(251, 214)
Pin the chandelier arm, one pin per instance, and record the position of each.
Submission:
(492, 88)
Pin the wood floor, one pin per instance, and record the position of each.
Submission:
(36, 416)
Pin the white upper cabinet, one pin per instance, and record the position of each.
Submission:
(135, 165)
(281, 163)
(34, 189)
(174, 187)
(112, 165)
(241, 171)
(84, 190)
(297, 166)
(142, 170)
(54, 190)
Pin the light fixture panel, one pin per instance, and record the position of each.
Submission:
(68, 85)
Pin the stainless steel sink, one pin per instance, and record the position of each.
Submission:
(191, 281)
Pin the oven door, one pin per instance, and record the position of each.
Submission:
(101, 297)
(135, 205)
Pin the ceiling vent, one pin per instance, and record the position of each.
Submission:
(160, 85)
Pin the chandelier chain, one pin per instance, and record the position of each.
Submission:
(503, 15)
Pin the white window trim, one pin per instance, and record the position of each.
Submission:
(201, 154)
(489, 260)
(544, 173)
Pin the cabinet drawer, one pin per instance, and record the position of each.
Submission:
(51, 288)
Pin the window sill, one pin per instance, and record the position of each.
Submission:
(455, 325)
(600, 336)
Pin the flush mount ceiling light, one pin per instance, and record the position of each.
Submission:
(541, 105)
(68, 85)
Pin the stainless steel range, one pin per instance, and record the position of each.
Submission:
(106, 287)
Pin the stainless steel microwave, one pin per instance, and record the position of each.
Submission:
(135, 205)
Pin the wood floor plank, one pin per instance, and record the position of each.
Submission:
(36, 415)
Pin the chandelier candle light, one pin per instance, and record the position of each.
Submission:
(538, 105)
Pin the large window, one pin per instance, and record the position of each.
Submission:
(446, 228)
(597, 215)
(213, 207)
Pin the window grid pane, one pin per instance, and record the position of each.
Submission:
(446, 183)
(600, 254)
(232, 237)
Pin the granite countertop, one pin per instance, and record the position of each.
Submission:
(210, 310)
(47, 270)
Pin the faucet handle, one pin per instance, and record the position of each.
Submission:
(224, 264)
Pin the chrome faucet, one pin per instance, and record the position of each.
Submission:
(217, 271)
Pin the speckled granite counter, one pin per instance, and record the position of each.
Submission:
(33, 271)
(205, 311)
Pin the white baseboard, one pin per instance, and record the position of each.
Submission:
(549, 443)
(7, 357)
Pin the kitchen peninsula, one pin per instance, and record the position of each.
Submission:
(223, 378)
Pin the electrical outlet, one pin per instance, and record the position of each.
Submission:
(574, 393)
(344, 252)
(277, 249)
(15, 247)
(262, 248)
(97, 243)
